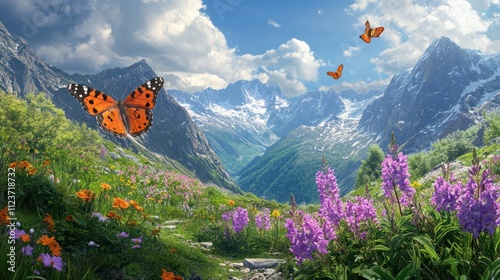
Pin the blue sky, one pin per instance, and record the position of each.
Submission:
(196, 44)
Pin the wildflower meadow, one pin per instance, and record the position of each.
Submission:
(74, 207)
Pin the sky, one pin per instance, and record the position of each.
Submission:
(197, 44)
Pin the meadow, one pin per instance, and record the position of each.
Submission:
(76, 206)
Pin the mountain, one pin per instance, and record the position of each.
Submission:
(275, 145)
(445, 91)
(173, 138)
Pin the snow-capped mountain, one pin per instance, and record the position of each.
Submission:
(445, 91)
(244, 119)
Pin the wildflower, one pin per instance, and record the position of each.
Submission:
(32, 231)
(113, 215)
(69, 218)
(445, 194)
(55, 261)
(25, 165)
(155, 231)
(93, 244)
(25, 238)
(4, 218)
(477, 207)
(169, 275)
(358, 213)
(27, 250)
(46, 162)
(331, 210)
(86, 195)
(32, 171)
(99, 216)
(55, 249)
(123, 234)
(105, 186)
(120, 203)
(13, 164)
(395, 174)
(415, 184)
(276, 213)
(240, 219)
(136, 240)
(305, 238)
(262, 220)
(226, 216)
(136, 246)
(132, 222)
(173, 250)
(231, 202)
(50, 222)
(45, 240)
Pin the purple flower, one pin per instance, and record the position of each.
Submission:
(358, 213)
(136, 246)
(331, 209)
(137, 240)
(395, 175)
(305, 238)
(122, 234)
(477, 207)
(55, 262)
(99, 216)
(18, 233)
(240, 219)
(445, 194)
(27, 250)
(263, 219)
(226, 216)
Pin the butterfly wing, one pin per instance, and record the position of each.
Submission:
(337, 74)
(138, 105)
(365, 37)
(92, 100)
(376, 31)
(111, 121)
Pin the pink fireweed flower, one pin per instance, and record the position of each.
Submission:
(305, 238)
(358, 213)
(331, 210)
(263, 219)
(445, 194)
(395, 175)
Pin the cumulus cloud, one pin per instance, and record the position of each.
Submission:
(359, 86)
(175, 37)
(350, 51)
(273, 23)
(411, 26)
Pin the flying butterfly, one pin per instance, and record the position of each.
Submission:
(336, 75)
(370, 32)
(131, 116)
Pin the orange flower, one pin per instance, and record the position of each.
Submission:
(173, 250)
(46, 162)
(231, 202)
(13, 164)
(55, 248)
(48, 219)
(120, 203)
(138, 208)
(4, 217)
(69, 218)
(155, 231)
(133, 202)
(25, 237)
(105, 186)
(45, 240)
(113, 215)
(86, 195)
(132, 222)
(25, 164)
(32, 171)
(169, 275)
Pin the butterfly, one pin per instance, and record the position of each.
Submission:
(370, 32)
(131, 116)
(336, 74)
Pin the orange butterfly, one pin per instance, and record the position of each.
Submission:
(370, 32)
(337, 74)
(132, 116)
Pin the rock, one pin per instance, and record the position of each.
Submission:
(261, 263)
(238, 265)
(256, 276)
(206, 244)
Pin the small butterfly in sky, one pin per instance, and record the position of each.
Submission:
(370, 32)
(131, 116)
(336, 74)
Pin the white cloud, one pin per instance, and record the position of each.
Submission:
(350, 51)
(175, 37)
(359, 86)
(320, 12)
(273, 23)
(412, 25)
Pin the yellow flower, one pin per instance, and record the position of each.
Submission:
(231, 202)
(415, 184)
(276, 213)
